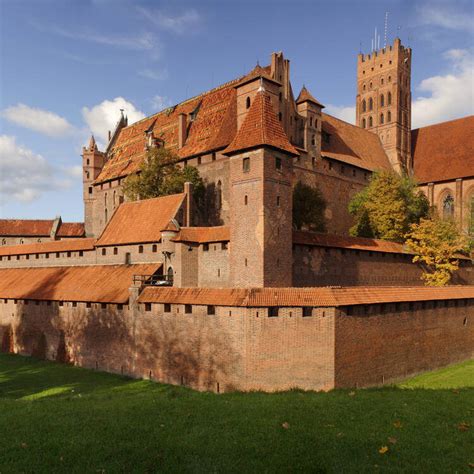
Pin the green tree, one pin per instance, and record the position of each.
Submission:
(436, 244)
(387, 207)
(159, 175)
(308, 208)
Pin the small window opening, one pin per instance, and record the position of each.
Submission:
(147, 306)
(188, 309)
(211, 310)
(307, 311)
(246, 165)
(247, 103)
(205, 247)
(167, 308)
(273, 311)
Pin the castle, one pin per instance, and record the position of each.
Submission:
(235, 298)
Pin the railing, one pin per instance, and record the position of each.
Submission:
(152, 280)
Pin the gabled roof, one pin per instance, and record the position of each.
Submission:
(444, 151)
(26, 227)
(306, 96)
(51, 246)
(203, 234)
(71, 229)
(140, 221)
(98, 283)
(297, 297)
(261, 127)
(353, 145)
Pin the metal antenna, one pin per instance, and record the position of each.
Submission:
(385, 32)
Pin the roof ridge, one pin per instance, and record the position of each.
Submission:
(444, 123)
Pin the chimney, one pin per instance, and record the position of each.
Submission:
(188, 190)
(55, 227)
(182, 130)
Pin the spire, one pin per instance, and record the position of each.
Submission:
(306, 96)
(92, 144)
(261, 127)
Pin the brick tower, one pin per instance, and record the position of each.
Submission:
(384, 100)
(92, 163)
(261, 168)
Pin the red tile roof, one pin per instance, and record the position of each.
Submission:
(213, 127)
(261, 127)
(25, 227)
(305, 95)
(294, 297)
(203, 234)
(354, 243)
(353, 145)
(140, 221)
(100, 283)
(68, 245)
(444, 151)
(71, 229)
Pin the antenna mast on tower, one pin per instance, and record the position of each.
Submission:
(385, 31)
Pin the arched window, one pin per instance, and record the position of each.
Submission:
(247, 102)
(364, 106)
(370, 85)
(381, 119)
(219, 195)
(370, 122)
(371, 104)
(22, 241)
(389, 98)
(389, 78)
(87, 174)
(246, 200)
(364, 87)
(389, 116)
(381, 81)
(364, 124)
(448, 207)
(382, 100)
(170, 275)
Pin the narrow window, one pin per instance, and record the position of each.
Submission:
(370, 122)
(363, 123)
(246, 165)
(278, 163)
(211, 310)
(188, 309)
(364, 105)
(279, 116)
(140, 249)
(382, 100)
(214, 156)
(128, 258)
(154, 248)
(167, 308)
(147, 306)
(389, 116)
(219, 195)
(371, 103)
(247, 103)
(104, 251)
(115, 251)
(381, 119)
(389, 97)
(246, 200)
(205, 247)
(278, 201)
(311, 121)
(448, 207)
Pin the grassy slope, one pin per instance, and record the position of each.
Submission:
(56, 418)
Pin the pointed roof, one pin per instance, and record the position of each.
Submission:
(255, 73)
(261, 127)
(92, 144)
(305, 95)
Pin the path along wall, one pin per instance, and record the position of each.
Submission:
(225, 348)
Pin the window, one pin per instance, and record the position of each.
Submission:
(104, 251)
(90, 189)
(128, 258)
(154, 248)
(211, 310)
(381, 119)
(120, 307)
(279, 116)
(311, 121)
(224, 246)
(205, 247)
(307, 311)
(390, 78)
(278, 201)
(140, 249)
(199, 160)
(448, 207)
(246, 165)
(313, 140)
(364, 123)
(147, 306)
(247, 103)
(188, 309)
(389, 98)
(381, 81)
(88, 305)
(115, 251)
(106, 214)
(363, 87)
(382, 100)
(246, 201)
(280, 96)
(167, 308)
(370, 122)
(219, 195)
(214, 156)
(273, 311)
(389, 116)
(371, 103)
(364, 105)
(170, 275)
(278, 163)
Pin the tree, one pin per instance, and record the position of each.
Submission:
(308, 208)
(436, 243)
(159, 175)
(387, 207)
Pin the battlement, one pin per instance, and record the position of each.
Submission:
(397, 49)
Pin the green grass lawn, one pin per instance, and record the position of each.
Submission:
(55, 418)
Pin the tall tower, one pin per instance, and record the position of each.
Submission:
(261, 170)
(92, 163)
(384, 100)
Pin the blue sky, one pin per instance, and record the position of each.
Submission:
(68, 66)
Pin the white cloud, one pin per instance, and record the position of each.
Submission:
(39, 120)
(160, 102)
(448, 15)
(446, 96)
(74, 171)
(342, 112)
(177, 24)
(24, 175)
(104, 117)
(154, 75)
